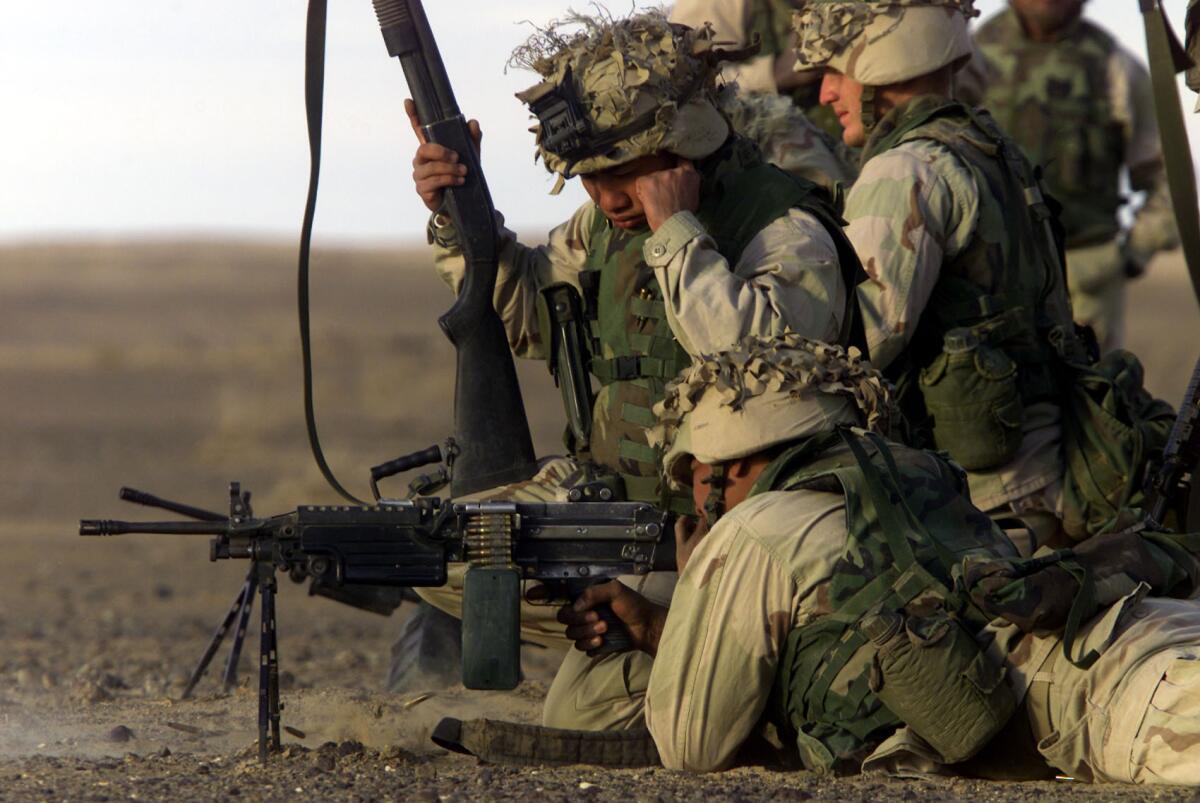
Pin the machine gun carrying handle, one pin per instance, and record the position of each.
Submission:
(137, 497)
(407, 463)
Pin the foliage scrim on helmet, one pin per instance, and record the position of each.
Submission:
(917, 36)
(642, 84)
(787, 365)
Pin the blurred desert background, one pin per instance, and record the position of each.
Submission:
(174, 367)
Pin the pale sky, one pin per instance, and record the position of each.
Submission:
(163, 117)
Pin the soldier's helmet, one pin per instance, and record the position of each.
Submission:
(614, 90)
(882, 42)
(764, 392)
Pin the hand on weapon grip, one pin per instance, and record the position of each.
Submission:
(665, 193)
(436, 167)
(641, 617)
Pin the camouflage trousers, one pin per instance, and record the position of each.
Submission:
(1134, 715)
(587, 693)
(1096, 280)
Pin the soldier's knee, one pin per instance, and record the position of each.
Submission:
(598, 693)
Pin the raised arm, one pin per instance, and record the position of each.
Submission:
(523, 271)
(787, 277)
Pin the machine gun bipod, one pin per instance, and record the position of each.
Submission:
(260, 579)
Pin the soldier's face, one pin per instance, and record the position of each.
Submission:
(844, 95)
(614, 190)
(1048, 15)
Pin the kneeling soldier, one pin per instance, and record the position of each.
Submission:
(689, 243)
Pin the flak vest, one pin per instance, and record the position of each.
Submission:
(1053, 98)
(635, 352)
(902, 642)
(898, 644)
(982, 349)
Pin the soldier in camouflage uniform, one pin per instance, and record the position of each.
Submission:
(966, 294)
(772, 70)
(855, 552)
(690, 241)
(1082, 107)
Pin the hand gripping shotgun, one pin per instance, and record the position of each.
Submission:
(564, 546)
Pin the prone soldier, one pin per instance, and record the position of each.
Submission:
(849, 597)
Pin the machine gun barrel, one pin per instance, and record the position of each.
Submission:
(107, 527)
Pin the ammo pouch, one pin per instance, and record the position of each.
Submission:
(897, 647)
(1112, 427)
(932, 674)
(973, 400)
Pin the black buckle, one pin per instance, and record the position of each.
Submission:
(627, 367)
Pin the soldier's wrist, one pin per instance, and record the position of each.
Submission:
(672, 237)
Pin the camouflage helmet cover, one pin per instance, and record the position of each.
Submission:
(764, 392)
(882, 42)
(617, 90)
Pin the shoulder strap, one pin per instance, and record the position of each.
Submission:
(314, 101)
(1167, 57)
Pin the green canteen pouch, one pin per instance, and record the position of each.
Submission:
(934, 677)
(973, 398)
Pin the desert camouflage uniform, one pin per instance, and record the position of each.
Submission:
(676, 293)
(1133, 717)
(1082, 107)
(916, 208)
(773, 565)
(787, 276)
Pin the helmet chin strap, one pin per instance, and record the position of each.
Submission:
(714, 503)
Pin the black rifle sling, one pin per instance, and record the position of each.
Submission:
(1167, 58)
(314, 101)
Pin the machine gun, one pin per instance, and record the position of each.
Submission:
(565, 546)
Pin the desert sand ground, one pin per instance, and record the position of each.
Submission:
(174, 367)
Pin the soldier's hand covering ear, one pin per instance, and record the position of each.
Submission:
(666, 193)
(436, 167)
(641, 617)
